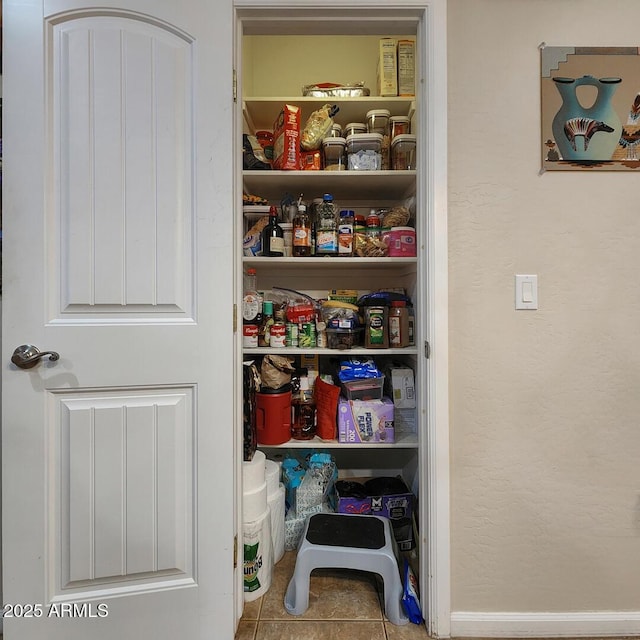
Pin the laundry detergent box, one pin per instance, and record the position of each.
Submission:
(389, 497)
(364, 421)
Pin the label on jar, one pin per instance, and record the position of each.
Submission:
(345, 239)
(326, 241)
(375, 327)
(301, 237)
(394, 331)
(250, 307)
(249, 335)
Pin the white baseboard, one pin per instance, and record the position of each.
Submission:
(470, 624)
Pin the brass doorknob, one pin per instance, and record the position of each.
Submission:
(27, 356)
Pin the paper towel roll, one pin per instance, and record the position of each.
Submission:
(253, 472)
(254, 503)
(277, 507)
(272, 476)
(258, 556)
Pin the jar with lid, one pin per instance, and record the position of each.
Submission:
(354, 127)
(374, 223)
(376, 329)
(333, 154)
(398, 125)
(301, 233)
(336, 131)
(378, 122)
(345, 233)
(398, 324)
(327, 228)
(403, 152)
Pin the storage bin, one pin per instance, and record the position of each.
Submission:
(344, 338)
(399, 125)
(354, 127)
(333, 152)
(403, 152)
(364, 151)
(363, 389)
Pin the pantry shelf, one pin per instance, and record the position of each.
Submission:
(261, 112)
(403, 441)
(365, 185)
(355, 351)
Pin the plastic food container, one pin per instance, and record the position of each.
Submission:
(344, 338)
(363, 389)
(336, 131)
(364, 151)
(354, 127)
(403, 152)
(401, 242)
(378, 121)
(399, 125)
(287, 230)
(333, 154)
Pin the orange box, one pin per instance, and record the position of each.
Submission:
(286, 139)
(311, 161)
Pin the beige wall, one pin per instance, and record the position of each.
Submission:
(545, 405)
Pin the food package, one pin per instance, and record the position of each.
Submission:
(318, 127)
(333, 90)
(276, 371)
(311, 160)
(286, 139)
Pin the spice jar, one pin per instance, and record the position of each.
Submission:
(398, 324)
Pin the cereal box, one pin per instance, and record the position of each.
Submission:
(286, 139)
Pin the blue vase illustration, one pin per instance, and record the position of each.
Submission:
(588, 134)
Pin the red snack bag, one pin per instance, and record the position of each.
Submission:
(326, 396)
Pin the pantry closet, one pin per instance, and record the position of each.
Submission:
(278, 52)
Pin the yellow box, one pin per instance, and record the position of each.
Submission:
(387, 69)
(406, 68)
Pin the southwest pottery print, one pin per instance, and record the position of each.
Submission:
(590, 108)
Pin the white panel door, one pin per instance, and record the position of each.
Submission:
(118, 458)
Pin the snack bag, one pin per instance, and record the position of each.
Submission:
(317, 127)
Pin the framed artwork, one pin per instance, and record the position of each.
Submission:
(590, 98)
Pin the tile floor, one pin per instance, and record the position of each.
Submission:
(342, 604)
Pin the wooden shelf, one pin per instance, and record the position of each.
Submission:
(343, 185)
(261, 112)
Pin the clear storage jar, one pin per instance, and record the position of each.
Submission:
(354, 127)
(333, 154)
(399, 125)
(364, 151)
(378, 122)
(403, 152)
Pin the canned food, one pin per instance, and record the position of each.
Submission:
(307, 336)
(292, 334)
(249, 335)
(278, 334)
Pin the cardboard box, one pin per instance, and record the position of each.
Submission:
(387, 68)
(397, 506)
(406, 68)
(286, 139)
(364, 421)
(400, 387)
(405, 422)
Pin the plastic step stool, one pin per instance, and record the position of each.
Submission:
(347, 541)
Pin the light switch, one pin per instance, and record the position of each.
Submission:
(526, 291)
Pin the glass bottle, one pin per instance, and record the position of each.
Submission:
(398, 324)
(302, 232)
(251, 309)
(273, 236)
(345, 233)
(264, 333)
(327, 228)
(303, 423)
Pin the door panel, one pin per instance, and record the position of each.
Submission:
(118, 458)
(122, 96)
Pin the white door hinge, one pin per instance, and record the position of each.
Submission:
(427, 349)
(235, 86)
(235, 318)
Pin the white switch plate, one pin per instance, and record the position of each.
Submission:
(526, 291)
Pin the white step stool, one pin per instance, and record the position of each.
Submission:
(345, 541)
